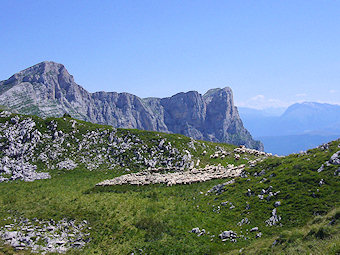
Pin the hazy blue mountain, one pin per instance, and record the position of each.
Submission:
(311, 118)
(301, 126)
(287, 144)
(300, 118)
(259, 122)
(267, 112)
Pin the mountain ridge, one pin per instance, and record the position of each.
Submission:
(47, 89)
(300, 127)
(297, 119)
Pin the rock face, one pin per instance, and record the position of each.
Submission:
(47, 89)
(19, 139)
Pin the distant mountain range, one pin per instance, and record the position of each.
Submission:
(47, 89)
(301, 126)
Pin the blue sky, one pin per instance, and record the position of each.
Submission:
(271, 53)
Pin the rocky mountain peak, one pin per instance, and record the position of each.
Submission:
(46, 71)
(47, 89)
(44, 67)
(215, 91)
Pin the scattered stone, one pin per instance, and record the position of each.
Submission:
(337, 172)
(321, 168)
(275, 242)
(202, 232)
(5, 114)
(197, 231)
(335, 159)
(274, 219)
(243, 221)
(228, 235)
(219, 188)
(250, 193)
(277, 203)
(321, 182)
(67, 164)
(324, 147)
(45, 236)
(254, 229)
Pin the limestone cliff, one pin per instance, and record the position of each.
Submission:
(47, 89)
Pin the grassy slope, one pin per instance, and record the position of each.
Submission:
(157, 219)
(318, 236)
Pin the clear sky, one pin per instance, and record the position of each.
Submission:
(271, 53)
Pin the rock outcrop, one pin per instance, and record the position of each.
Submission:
(47, 89)
(25, 141)
(42, 236)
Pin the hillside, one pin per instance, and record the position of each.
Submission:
(48, 90)
(50, 200)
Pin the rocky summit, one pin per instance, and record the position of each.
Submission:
(48, 90)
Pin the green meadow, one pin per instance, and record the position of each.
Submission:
(157, 219)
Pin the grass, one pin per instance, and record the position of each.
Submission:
(157, 219)
(320, 236)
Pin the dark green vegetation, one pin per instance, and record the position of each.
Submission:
(157, 219)
(319, 236)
